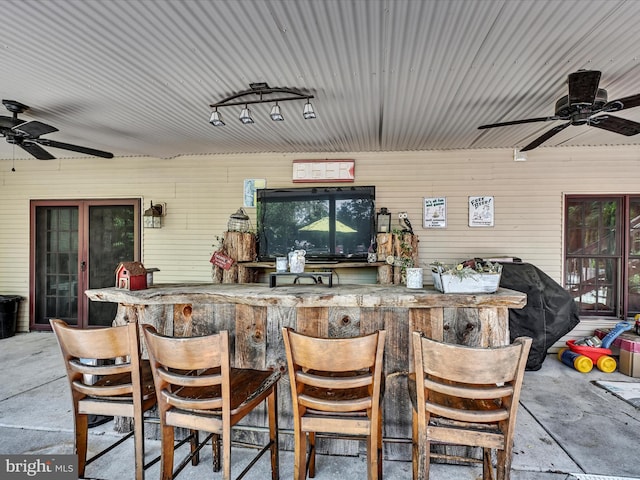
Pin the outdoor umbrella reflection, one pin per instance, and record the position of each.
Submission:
(322, 225)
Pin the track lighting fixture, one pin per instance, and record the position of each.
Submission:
(264, 94)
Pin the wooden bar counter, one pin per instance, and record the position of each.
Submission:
(254, 315)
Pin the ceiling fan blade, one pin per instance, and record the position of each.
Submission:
(34, 129)
(9, 122)
(622, 103)
(517, 122)
(35, 150)
(74, 148)
(616, 125)
(545, 136)
(583, 87)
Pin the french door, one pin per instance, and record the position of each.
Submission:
(602, 254)
(77, 245)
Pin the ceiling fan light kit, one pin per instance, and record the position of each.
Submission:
(264, 94)
(583, 105)
(26, 135)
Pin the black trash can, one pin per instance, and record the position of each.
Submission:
(8, 315)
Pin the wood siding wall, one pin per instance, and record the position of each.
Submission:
(202, 191)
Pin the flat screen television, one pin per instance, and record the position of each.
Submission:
(329, 223)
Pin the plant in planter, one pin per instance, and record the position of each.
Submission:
(470, 276)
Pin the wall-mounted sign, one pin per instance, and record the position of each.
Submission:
(309, 171)
(481, 211)
(435, 212)
(250, 187)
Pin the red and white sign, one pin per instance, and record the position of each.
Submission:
(308, 171)
(221, 260)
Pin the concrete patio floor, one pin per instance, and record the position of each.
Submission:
(568, 428)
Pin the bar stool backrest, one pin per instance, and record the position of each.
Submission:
(198, 389)
(466, 396)
(106, 377)
(336, 387)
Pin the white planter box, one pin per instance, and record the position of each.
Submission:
(476, 283)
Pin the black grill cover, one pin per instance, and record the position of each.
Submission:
(550, 312)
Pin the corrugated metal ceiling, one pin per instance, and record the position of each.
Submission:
(137, 77)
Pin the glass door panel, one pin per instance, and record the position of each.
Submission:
(56, 286)
(593, 258)
(111, 240)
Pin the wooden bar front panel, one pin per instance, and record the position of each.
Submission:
(254, 317)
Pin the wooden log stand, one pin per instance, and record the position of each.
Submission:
(241, 247)
(254, 315)
(403, 247)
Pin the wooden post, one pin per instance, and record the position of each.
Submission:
(400, 246)
(385, 248)
(241, 247)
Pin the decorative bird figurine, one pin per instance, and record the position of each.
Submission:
(405, 224)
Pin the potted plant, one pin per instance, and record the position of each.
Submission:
(470, 276)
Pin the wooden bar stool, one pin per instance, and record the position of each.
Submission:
(197, 389)
(122, 389)
(466, 396)
(336, 388)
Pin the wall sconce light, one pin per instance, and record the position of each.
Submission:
(383, 221)
(152, 217)
(265, 94)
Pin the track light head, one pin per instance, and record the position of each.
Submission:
(245, 116)
(308, 112)
(275, 114)
(216, 119)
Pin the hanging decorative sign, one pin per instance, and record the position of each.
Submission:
(435, 212)
(481, 211)
(221, 260)
(309, 171)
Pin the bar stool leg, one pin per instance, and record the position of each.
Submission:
(272, 407)
(300, 451)
(82, 425)
(194, 441)
(215, 447)
(312, 454)
(166, 463)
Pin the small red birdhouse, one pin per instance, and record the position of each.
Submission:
(131, 276)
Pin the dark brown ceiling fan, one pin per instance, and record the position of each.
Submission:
(581, 107)
(26, 134)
